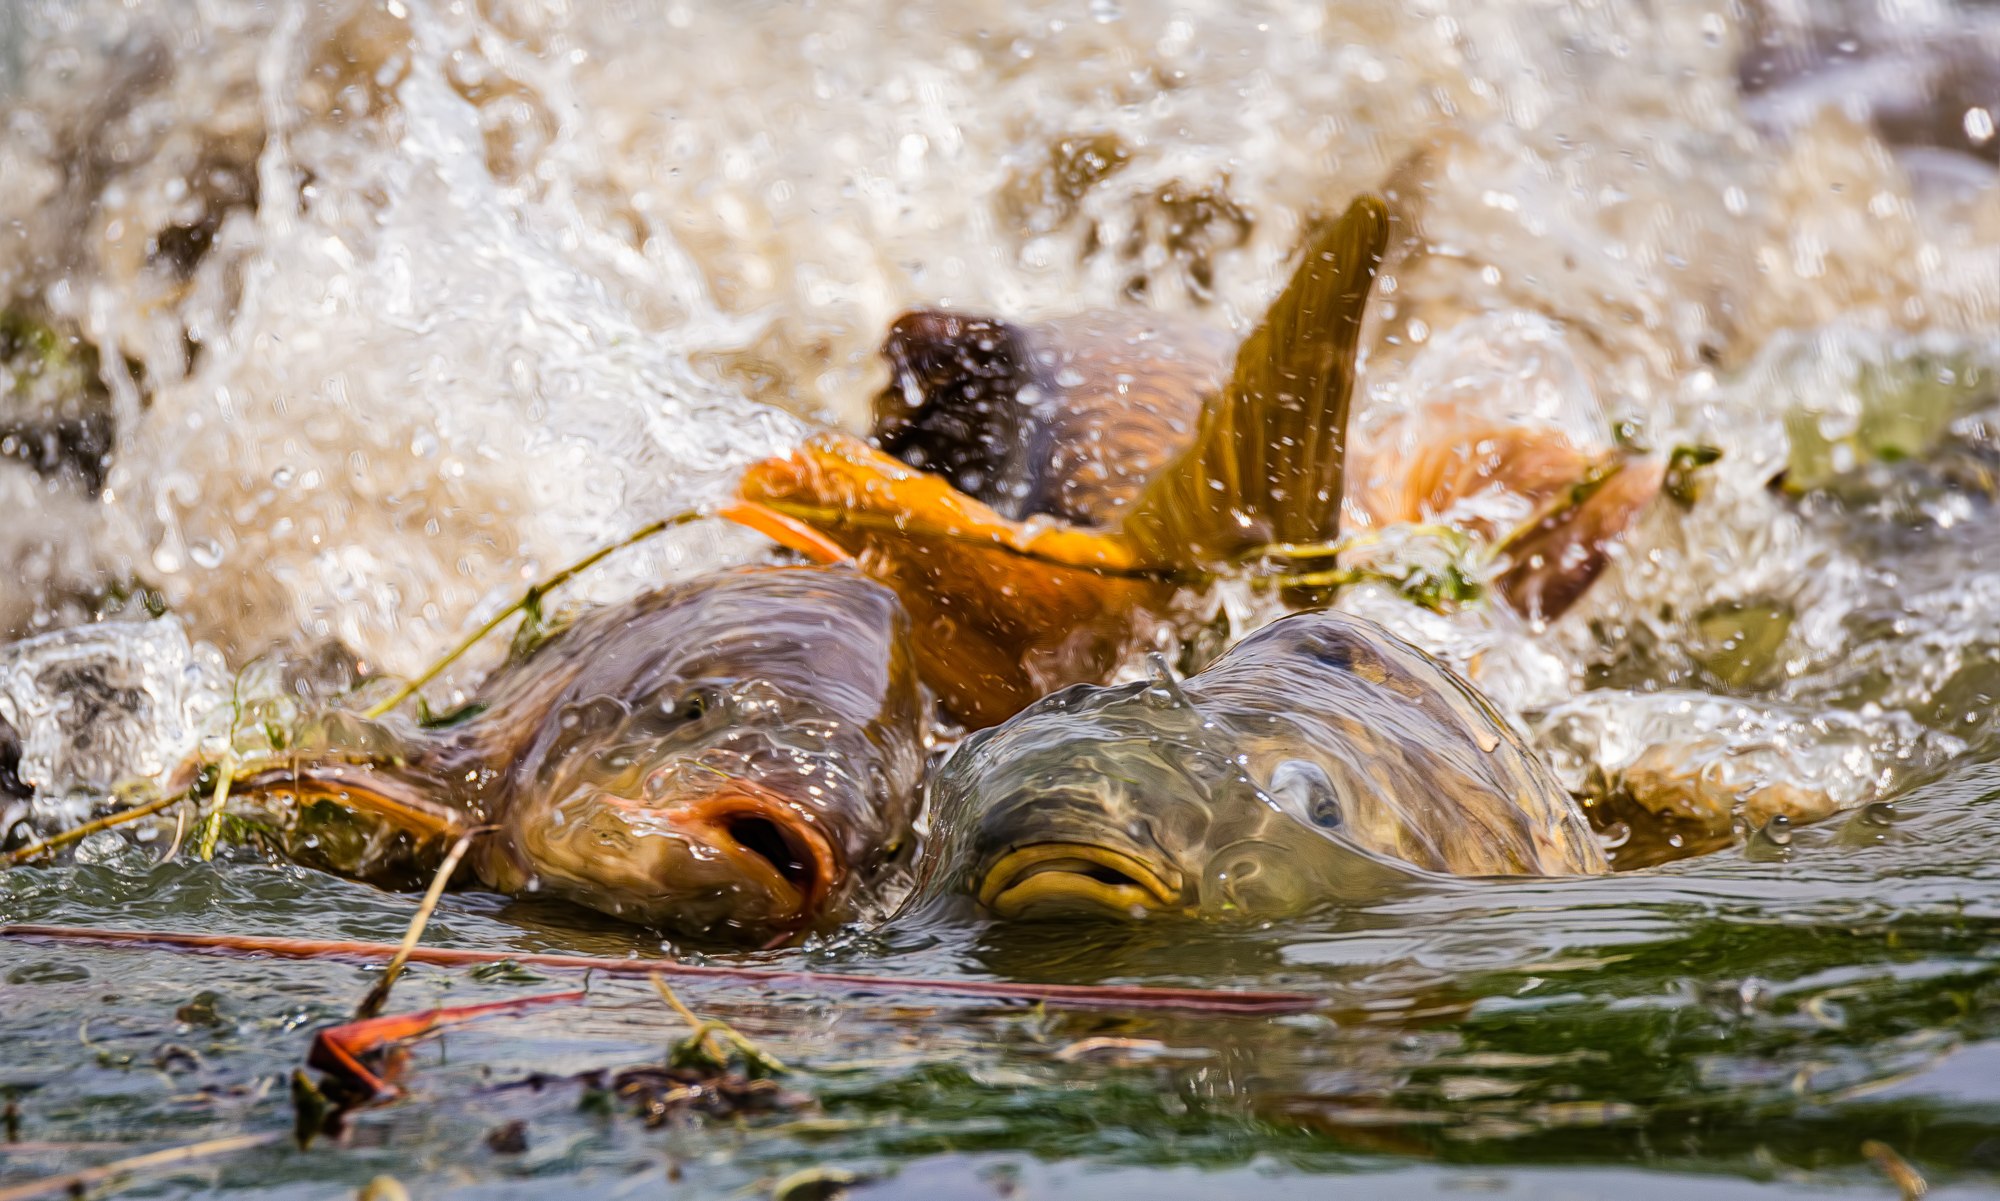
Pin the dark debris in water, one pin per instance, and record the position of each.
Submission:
(660, 1095)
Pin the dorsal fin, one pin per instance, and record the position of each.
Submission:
(1266, 465)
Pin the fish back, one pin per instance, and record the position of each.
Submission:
(1068, 420)
(1424, 769)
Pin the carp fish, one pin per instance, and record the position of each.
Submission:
(1319, 761)
(729, 760)
(1046, 497)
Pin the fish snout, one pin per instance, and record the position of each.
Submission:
(1051, 878)
(766, 841)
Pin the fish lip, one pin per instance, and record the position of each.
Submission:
(1031, 875)
(712, 820)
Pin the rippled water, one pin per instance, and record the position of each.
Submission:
(371, 312)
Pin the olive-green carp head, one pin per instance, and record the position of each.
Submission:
(725, 760)
(1317, 762)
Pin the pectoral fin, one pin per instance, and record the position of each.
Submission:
(355, 817)
(1266, 465)
(850, 492)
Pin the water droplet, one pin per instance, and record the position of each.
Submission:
(1979, 125)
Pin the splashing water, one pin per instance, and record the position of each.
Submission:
(101, 705)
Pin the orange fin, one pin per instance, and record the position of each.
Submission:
(1267, 464)
(850, 491)
(788, 532)
(1005, 611)
(1554, 559)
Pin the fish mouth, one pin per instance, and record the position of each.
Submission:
(1073, 876)
(769, 841)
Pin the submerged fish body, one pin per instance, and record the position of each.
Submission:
(1044, 497)
(726, 760)
(1317, 762)
(1087, 473)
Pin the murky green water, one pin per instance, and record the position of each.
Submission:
(1745, 1026)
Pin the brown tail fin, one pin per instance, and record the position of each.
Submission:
(1267, 464)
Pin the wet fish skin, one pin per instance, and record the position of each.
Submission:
(1068, 419)
(1321, 760)
(1047, 498)
(728, 760)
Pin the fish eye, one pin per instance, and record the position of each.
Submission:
(1303, 787)
(690, 706)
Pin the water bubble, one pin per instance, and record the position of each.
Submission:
(102, 704)
(1772, 843)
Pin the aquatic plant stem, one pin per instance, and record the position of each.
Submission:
(211, 818)
(703, 1029)
(108, 821)
(1908, 1181)
(379, 995)
(529, 600)
(1090, 996)
(180, 832)
(76, 1183)
(339, 1049)
(1354, 541)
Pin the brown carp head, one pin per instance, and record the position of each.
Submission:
(726, 760)
(723, 760)
(1320, 761)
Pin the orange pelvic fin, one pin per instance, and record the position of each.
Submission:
(853, 493)
(1005, 610)
(789, 532)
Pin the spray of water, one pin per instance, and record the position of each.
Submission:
(398, 303)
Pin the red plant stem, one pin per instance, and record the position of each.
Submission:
(1196, 1000)
(338, 1049)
